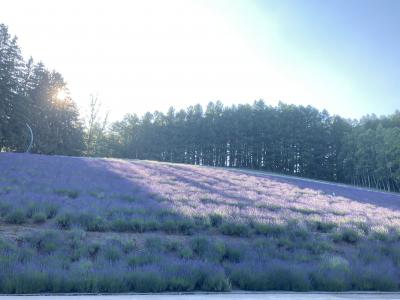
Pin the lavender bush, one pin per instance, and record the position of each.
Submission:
(107, 225)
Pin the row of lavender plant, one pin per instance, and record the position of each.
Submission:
(51, 262)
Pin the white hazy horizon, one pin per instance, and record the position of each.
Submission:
(139, 56)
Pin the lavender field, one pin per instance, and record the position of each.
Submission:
(106, 225)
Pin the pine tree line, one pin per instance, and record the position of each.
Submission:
(287, 139)
(28, 95)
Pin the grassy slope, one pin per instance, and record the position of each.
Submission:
(106, 225)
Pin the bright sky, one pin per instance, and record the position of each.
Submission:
(138, 56)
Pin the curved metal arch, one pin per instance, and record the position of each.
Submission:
(31, 141)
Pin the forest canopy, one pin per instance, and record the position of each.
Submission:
(29, 95)
(289, 139)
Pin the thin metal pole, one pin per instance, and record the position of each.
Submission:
(31, 142)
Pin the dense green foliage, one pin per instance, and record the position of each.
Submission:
(287, 139)
(28, 95)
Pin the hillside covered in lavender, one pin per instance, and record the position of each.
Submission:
(71, 224)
